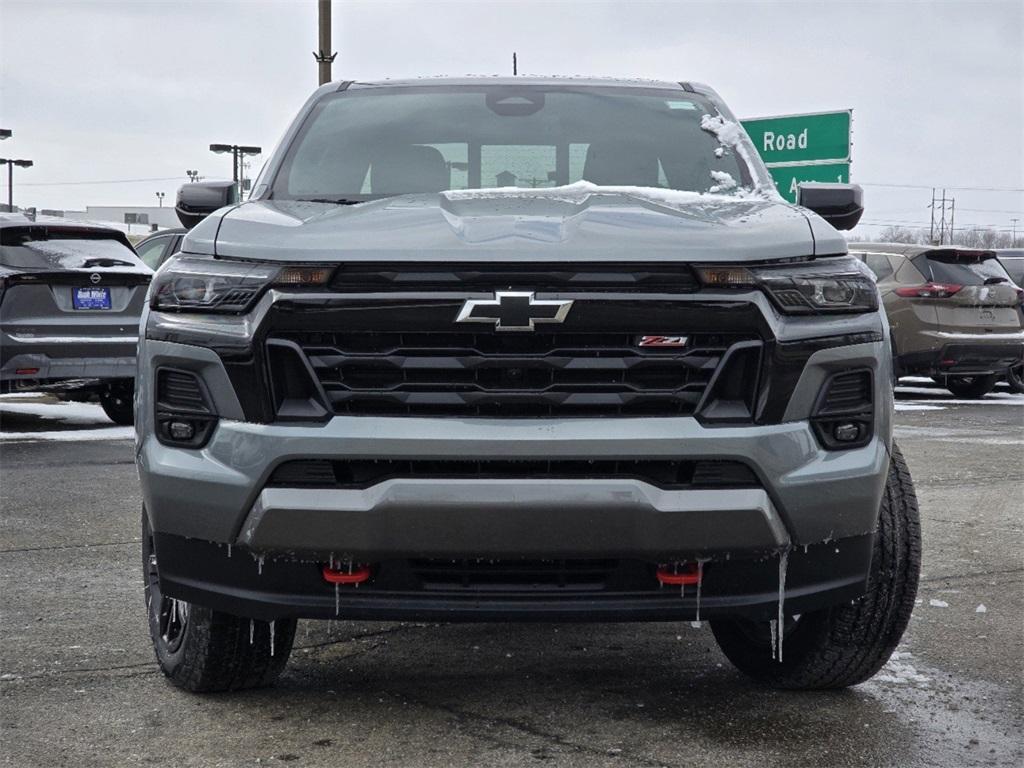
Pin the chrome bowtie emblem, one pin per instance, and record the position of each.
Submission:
(95, 278)
(513, 311)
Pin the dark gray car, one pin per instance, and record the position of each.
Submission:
(521, 349)
(70, 300)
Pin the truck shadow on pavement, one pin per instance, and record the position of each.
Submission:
(655, 694)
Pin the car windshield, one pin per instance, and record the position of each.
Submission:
(962, 267)
(362, 144)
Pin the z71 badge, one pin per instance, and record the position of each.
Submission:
(662, 341)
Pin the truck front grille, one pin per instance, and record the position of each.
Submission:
(511, 375)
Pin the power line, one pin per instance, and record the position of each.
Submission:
(928, 186)
(108, 181)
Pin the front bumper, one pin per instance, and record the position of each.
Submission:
(225, 538)
(233, 581)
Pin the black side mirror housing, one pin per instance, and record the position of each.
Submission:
(198, 200)
(841, 205)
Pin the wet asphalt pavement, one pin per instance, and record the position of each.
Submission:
(79, 687)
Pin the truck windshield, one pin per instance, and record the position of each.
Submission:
(363, 144)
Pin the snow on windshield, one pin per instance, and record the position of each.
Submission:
(731, 136)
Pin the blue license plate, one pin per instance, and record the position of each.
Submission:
(91, 298)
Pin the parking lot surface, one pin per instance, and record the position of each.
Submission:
(79, 686)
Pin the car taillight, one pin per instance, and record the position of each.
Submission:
(929, 291)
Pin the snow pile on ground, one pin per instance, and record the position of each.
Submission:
(66, 421)
(899, 671)
(66, 413)
(72, 435)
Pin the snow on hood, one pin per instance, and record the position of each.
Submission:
(576, 222)
(581, 191)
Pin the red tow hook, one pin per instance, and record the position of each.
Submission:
(357, 574)
(678, 573)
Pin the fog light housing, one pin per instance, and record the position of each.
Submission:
(846, 432)
(181, 430)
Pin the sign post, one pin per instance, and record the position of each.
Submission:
(809, 147)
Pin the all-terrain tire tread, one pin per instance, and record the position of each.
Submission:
(847, 644)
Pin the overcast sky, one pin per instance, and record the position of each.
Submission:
(100, 91)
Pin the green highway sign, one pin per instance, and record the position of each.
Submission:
(812, 138)
(787, 177)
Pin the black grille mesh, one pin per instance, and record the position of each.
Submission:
(518, 375)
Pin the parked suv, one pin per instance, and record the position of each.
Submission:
(953, 313)
(70, 300)
(157, 248)
(637, 385)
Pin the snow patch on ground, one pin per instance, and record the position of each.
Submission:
(917, 407)
(938, 603)
(67, 413)
(71, 435)
(899, 671)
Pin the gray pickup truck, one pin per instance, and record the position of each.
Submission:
(521, 349)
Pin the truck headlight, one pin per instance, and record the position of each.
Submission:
(195, 284)
(824, 286)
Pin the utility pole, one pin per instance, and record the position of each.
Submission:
(952, 215)
(942, 221)
(1013, 237)
(10, 177)
(515, 64)
(324, 57)
(931, 225)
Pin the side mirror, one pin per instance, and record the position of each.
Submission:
(841, 205)
(198, 200)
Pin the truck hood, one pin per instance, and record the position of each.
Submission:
(580, 222)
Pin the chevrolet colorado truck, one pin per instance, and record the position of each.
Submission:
(520, 349)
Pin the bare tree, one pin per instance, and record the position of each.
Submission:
(977, 237)
(894, 234)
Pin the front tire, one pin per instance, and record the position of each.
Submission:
(203, 650)
(971, 387)
(845, 644)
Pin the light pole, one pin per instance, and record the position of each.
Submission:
(10, 177)
(160, 198)
(237, 153)
(193, 176)
(324, 57)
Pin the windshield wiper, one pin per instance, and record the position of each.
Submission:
(335, 200)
